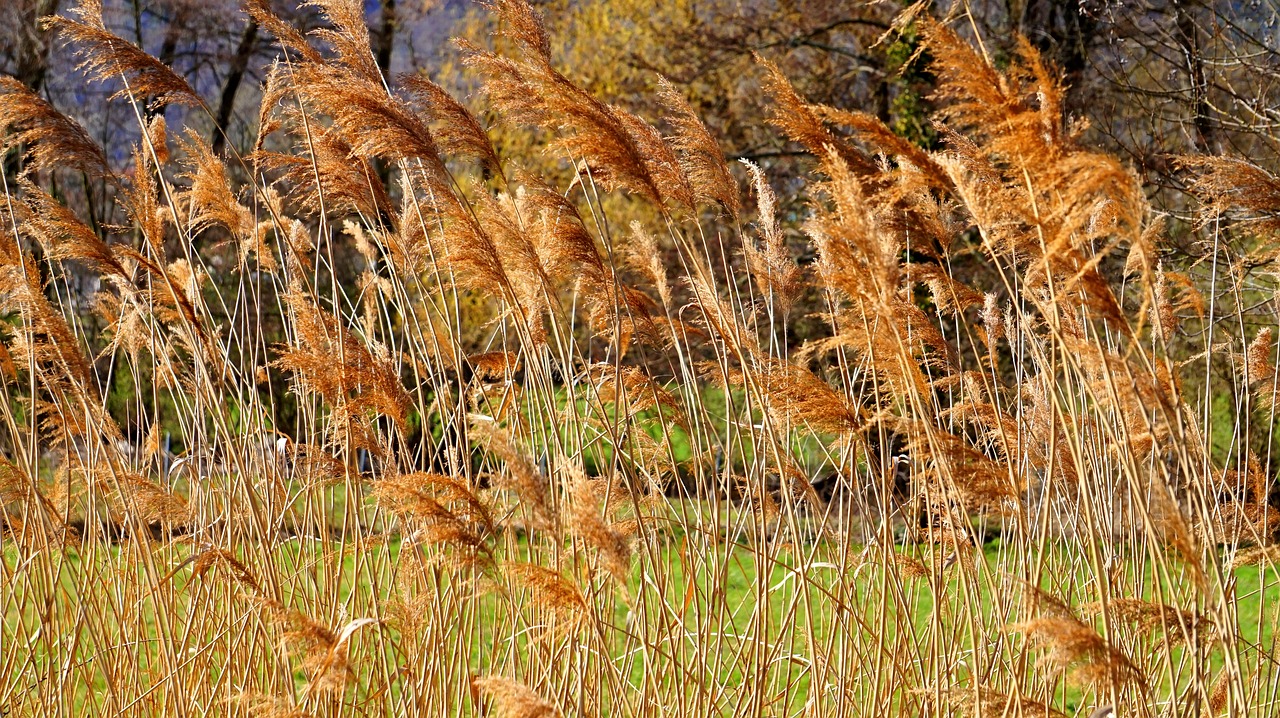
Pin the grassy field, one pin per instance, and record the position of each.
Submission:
(803, 601)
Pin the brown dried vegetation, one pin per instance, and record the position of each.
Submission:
(376, 374)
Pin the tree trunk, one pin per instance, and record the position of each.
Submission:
(1189, 44)
(235, 76)
(32, 53)
(31, 62)
(386, 37)
(385, 44)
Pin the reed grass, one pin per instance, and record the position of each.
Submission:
(474, 441)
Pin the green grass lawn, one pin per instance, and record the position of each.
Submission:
(710, 606)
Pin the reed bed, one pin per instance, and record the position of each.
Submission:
(374, 420)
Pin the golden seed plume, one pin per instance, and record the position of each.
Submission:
(799, 122)
(288, 35)
(50, 138)
(1234, 186)
(456, 129)
(63, 236)
(775, 271)
(211, 201)
(701, 158)
(588, 524)
(514, 700)
(521, 476)
(643, 255)
(158, 137)
(1258, 364)
(348, 34)
(621, 151)
(371, 122)
(550, 590)
(442, 510)
(105, 55)
(326, 358)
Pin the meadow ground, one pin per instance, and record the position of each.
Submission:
(382, 409)
(802, 600)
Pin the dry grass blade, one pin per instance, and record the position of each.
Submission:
(634, 391)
